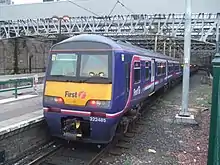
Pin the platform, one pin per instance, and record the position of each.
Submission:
(20, 107)
(19, 114)
(26, 108)
(20, 121)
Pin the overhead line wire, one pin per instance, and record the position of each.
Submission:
(113, 7)
(123, 5)
(83, 8)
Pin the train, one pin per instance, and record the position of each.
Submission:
(95, 85)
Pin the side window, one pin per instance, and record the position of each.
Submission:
(137, 72)
(147, 70)
(158, 68)
(170, 67)
(177, 67)
(163, 68)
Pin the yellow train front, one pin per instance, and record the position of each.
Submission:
(78, 90)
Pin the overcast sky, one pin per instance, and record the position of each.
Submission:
(103, 7)
(26, 1)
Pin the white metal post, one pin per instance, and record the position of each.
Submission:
(186, 69)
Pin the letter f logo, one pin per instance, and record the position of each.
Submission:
(82, 94)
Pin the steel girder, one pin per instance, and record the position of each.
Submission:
(159, 32)
(171, 46)
(203, 26)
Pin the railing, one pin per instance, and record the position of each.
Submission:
(16, 84)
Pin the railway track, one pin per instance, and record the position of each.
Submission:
(64, 153)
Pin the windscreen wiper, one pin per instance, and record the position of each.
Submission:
(58, 76)
(95, 77)
(66, 78)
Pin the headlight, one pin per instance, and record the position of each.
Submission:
(53, 99)
(99, 103)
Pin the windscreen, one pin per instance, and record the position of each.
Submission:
(63, 65)
(80, 67)
(94, 65)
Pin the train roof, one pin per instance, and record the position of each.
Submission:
(118, 45)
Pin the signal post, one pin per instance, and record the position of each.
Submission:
(214, 133)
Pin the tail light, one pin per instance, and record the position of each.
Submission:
(53, 99)
(98, 103)
(59, 100)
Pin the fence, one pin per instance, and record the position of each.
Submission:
(19, 83)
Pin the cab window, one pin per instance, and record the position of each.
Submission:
(63, 64)
(96, 65)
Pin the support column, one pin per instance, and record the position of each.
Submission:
(214, 133)
(174, 50)
(164, 47)
(187, 48)
(155, 43)
(170, 50)
(184, 116)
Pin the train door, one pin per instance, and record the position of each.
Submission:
(127, 78)
(152, 76)
(137, 79)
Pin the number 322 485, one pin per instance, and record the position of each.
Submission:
(98, 119)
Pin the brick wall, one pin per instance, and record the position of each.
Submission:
(36, 49)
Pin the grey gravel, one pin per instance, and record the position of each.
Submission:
(174, 144)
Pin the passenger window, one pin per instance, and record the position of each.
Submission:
(163, 68)
(158, 69)
(170, 67)
(137, 72)
(147, 70)
(177, 67)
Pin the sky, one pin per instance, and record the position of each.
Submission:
(26, 1)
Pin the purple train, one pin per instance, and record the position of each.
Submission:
(93, 84)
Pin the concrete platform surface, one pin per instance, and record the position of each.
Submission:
(20, 121)
(7, 77)
(19, 108)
